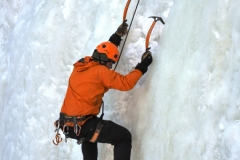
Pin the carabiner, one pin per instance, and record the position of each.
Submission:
(57, 126)
(64, 129)
(58, 139)
(76, 130)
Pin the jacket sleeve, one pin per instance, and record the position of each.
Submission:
(114, 80)
(115, 39)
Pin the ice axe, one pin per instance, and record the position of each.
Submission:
(155, 18)
(124, 20)
(125, 10)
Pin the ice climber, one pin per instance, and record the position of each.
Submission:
(90, 79)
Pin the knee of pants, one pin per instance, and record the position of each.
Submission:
(127, 136)
(89, 150)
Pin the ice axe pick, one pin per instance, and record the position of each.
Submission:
(155, 18)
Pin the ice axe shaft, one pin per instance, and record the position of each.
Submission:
(151, 28)
(125, 10)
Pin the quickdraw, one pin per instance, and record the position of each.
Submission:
(58, 138)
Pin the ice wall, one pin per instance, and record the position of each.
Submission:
(194, 113)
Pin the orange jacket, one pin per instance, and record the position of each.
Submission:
(88, 83)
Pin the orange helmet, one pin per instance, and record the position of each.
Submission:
(106, 51)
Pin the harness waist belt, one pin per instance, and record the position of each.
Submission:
(66, 118)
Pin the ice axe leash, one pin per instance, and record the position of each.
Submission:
(124, 19)
(155, 18)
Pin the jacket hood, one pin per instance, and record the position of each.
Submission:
(84, 63)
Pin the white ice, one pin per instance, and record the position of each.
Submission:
(186, 106)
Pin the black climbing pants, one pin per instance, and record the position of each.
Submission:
(111, 133)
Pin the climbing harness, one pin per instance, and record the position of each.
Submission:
(65, 121)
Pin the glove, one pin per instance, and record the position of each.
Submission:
(122, 29)
(146, 61)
